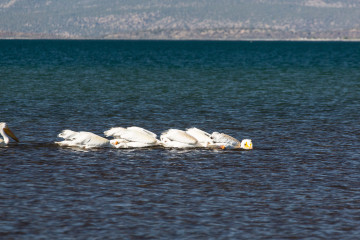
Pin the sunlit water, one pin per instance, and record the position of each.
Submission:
(298, 102)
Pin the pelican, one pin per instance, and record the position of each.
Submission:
(225, 141)
(83, 140)
(132, 137)
(175, 138)
(6, 133)
(203, 138)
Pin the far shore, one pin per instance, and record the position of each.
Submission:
(187, 39)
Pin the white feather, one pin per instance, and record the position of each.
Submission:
(175, 138)
(134, 136)
(82, 139)
(203, 138)
(222, 139)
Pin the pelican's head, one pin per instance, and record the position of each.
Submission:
(5, 129)
(246, 144)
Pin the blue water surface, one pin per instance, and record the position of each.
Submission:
(299, 102)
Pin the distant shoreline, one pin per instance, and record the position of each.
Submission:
(196, 35)
(205, 39)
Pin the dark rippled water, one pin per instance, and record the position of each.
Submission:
(297, 101)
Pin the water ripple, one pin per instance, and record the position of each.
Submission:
(298, 102)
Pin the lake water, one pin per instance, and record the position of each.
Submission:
(299, 102)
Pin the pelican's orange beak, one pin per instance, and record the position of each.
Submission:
(222, 147)
(11, 134)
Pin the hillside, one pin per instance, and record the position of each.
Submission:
(187, 19)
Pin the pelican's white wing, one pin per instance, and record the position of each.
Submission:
(68, 134)
(115, 132)
(175, 138)
(82, 139)
(139, 129)
(202, 137)
(133, 136)
(136, 134)
(225, 140)
(179, 136)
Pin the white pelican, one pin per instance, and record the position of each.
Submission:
(83, 140)
(225, 141)
(132, 137)
(203, 138)
(175, 138)
(6, 133)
